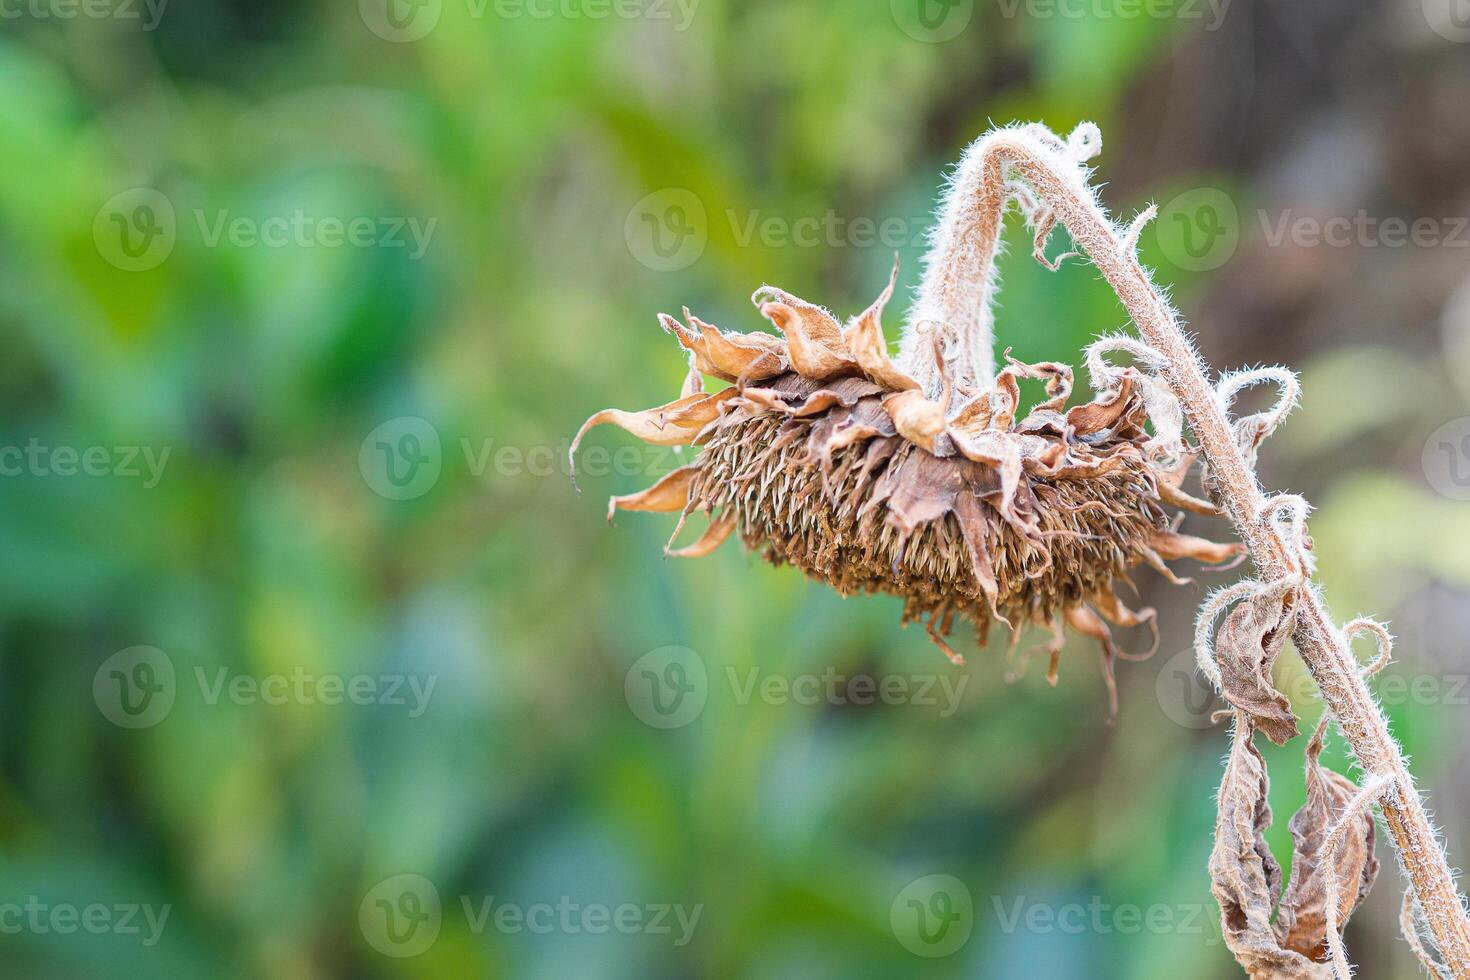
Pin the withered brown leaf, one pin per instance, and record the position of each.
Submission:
(1246, 647)
(1245, 877)
(1302, 923)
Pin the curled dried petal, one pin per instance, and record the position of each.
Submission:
(669, 494)
(727, 355)
(864, 338)
(813, 336)
(719, 530)
(917, 419)
(675, 424)
(1171, 545)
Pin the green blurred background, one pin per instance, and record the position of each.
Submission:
(315, 664)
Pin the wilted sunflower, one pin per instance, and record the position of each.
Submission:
(825, 454)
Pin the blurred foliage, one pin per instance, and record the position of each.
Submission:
(266, 548)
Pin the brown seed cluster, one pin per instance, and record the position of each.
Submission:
(824, 454)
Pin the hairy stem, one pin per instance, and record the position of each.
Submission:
(1057, 182)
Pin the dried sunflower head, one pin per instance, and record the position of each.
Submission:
(825, 454)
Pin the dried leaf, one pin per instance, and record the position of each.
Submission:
(1302, 923)
(1246, 647)
(1245, 878)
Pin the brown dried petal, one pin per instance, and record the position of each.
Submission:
(1246, 647)
(1245, 877)
(970, 512)
(927, 492)
(669, 494)
(1171, 545)
(1105, 411)
(675, 424)
(813, 336)
(730, 356)
(1172, 495)
(868, 345)
(917, 419)
(719, 530)
(1058, 378)
(1302, 923)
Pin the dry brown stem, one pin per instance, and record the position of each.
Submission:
(1046, 176)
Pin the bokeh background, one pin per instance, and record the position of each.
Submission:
(316, 665)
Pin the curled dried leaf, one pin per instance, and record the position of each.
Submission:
(1302, 922)
(1245, 877)
(1246, 647)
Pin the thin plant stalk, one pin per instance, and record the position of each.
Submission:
(957, 290)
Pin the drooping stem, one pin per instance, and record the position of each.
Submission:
(1056, 178)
